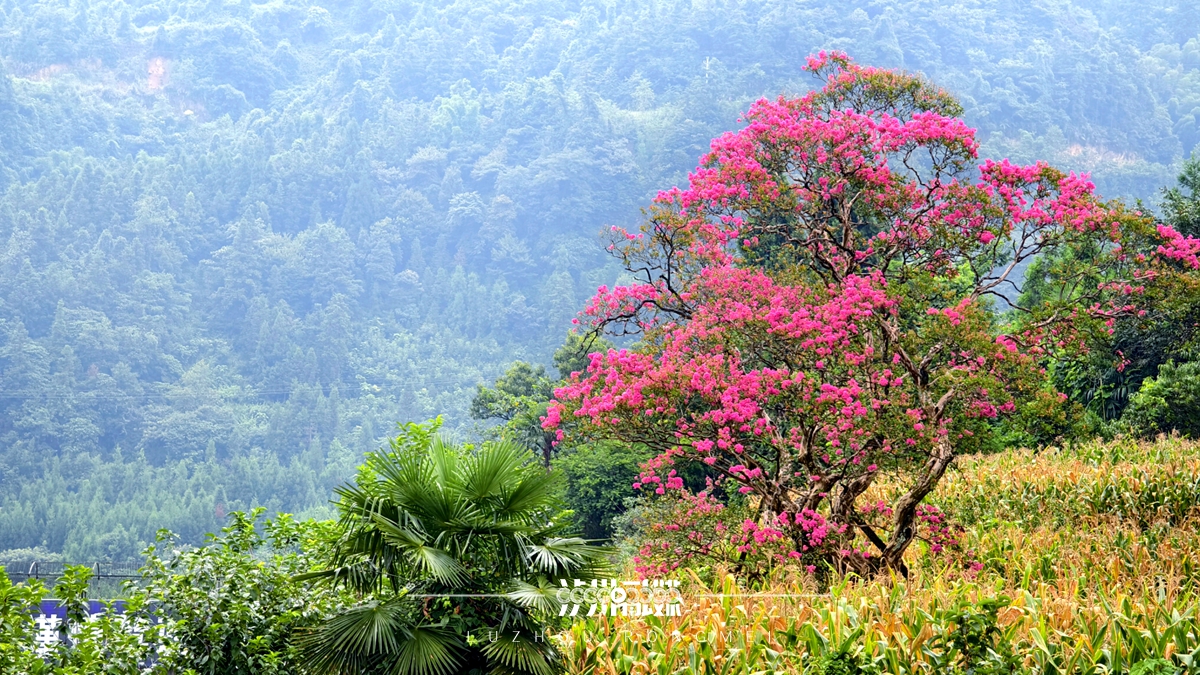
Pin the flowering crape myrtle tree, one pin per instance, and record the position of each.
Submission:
(819, 307)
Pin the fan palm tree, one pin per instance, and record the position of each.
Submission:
(456, 555)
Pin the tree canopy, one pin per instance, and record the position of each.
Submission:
(815, 308)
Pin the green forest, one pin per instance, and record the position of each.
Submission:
(241, 240)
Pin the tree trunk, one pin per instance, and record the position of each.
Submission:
(841, 506)
(906, 508)
(547, 447)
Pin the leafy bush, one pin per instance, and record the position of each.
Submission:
(662, 533)
(975, 643)
(599, 479)
(1046, 418)
(18, 605)
(842, 663)
(1169, 402)
(1153, 667)
(121, 640)
(518, 399)
(598, 475)
(235, 605)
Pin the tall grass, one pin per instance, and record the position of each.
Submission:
(1090, 565)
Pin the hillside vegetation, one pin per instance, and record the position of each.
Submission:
(240, 240)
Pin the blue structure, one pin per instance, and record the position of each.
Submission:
(50, 617)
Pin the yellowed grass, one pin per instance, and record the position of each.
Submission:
(1096, 548)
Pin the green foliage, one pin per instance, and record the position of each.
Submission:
(504, 400)
(1106, 378)
(19, 604)
(599, 476)
(841, 663)
(1045, 418)
(21, 558)
(231, 606)
(1153, 667)
(575, 352)
(976, 644)
(1181, 203)
(1167, 403)
(600, 479)
(91, 509)
(836, 655)
(266, 228)
(120, 641)
(458, 553)
(519, 399)
(234, 605)
(520, 396)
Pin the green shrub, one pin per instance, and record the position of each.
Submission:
(842, 663)
(1153, 667)
(115, 642)
(976, 644)
(118, 641)
(600, 479)
(18, 606)
(235, 605)
(1168, 402)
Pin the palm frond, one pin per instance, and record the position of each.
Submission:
(532, 497)
(488, 527)
(561, 556)
(426, 650)
(519, 654)
(437, 563)
(487, 472)
(599, 566)
(541, 597)
(444, 461)
(453, 515)
(440, 565)
(353, 572)
(406, 480)
(352, 640)
(355, 501)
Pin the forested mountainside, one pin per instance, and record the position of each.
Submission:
(242, 239)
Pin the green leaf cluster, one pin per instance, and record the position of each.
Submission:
(235, 604)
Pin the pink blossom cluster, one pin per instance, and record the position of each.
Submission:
(691, 527)
(1039, 198)
(878, 508)
(1179, 247)
(628, 300)
(938, 530)
(816, 530)
(620, 385)
(755, 536)
(810, 531)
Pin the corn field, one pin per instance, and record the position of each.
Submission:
(1089, 565)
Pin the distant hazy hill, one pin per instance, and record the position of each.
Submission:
(238, 241)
